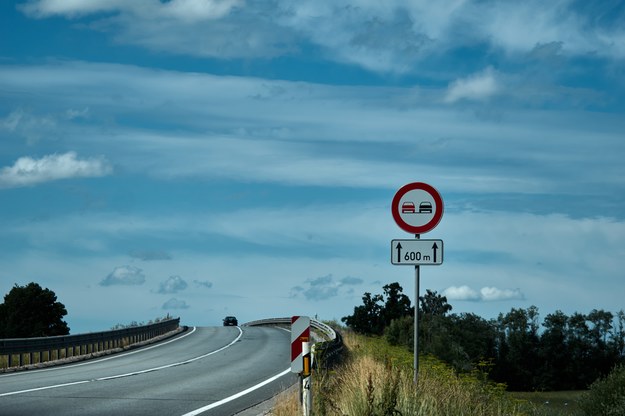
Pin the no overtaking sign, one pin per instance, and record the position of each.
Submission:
(417, 208)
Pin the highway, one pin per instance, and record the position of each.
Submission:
(207, 371)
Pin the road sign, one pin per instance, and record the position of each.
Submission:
(417, 252)
(300, 332)
(417, 207)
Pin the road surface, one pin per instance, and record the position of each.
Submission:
(207, 371)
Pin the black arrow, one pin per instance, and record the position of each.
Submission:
(434, 248)
(398, 252)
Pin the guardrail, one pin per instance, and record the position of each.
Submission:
(67, 346)
(327, 352)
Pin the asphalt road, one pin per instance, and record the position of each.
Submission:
(208, 371)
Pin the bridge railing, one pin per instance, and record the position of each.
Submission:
(327, 352)
(15, 351)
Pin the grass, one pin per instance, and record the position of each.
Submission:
(556, 403)
(377, 380)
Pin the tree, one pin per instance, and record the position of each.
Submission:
(433, 323)
(31, 311)
(518, 349)
(376, 312)
(555, 353)
(397, 304)
(367, 317)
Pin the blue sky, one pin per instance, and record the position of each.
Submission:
(205, 158)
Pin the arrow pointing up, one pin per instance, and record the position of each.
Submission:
(398, 252)
(434, 248)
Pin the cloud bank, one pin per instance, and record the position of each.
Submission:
(384, 37)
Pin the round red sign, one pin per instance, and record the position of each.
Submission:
(417, 208)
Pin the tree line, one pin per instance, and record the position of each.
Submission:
(563, 352)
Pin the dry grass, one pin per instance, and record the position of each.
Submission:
(377, 379)
(287, 404)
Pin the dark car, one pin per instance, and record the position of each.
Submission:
(425, 207)
(230, 321)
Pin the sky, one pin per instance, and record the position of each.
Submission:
(204, 158)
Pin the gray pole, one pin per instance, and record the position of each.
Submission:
(416, 320)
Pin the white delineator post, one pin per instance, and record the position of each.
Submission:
(306, 380)
(301, 360)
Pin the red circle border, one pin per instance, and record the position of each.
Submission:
(425, 227)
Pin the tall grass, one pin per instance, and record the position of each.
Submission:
(377, 380)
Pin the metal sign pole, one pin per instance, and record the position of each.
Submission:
(416, 320)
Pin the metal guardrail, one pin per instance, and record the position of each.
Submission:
(318, 325)
(66, 346)
(327, 352)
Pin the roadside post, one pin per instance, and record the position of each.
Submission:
(306, 379)
(417, 208)
(301, 358)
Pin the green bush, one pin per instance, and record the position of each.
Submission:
(606, 396)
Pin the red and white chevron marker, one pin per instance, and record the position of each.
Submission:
(300, 332)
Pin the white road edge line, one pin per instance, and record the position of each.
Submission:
(236, 396)
(12, 393)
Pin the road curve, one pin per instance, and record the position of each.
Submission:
(207, 371)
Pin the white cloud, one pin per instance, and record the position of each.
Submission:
(203, 283)
(28, 126)
(124, 275)
(486, 294)
(324, 287)
(493, 293)
(461, 293)
(173, 284)
(73, 114)
(28, 171)
(477, 87)
(174, 303)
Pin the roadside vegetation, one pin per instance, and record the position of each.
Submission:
(376, 379)
(564, 352)
(513, 365)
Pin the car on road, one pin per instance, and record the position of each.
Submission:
(230, 321)
(407, 207)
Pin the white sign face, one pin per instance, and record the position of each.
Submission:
(417, 207)
(417, 252)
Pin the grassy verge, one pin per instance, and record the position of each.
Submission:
(553, 403)
(377, 379)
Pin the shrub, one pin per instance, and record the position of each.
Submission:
(606, 396)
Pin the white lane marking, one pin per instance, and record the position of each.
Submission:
(237, 395)
(12, 393)
(149, 370)
(99, 360)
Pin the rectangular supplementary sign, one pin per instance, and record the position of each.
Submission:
(417, 252)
